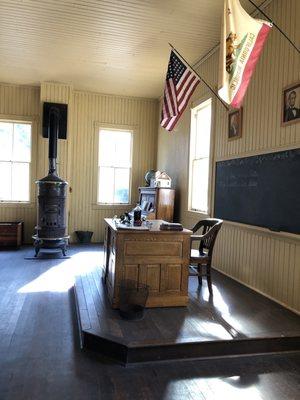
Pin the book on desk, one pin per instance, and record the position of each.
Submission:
(171, 226)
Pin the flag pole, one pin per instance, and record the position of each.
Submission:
(276, 26)
(201, 79)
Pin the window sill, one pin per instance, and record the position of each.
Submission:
(17, 204)
(124, 207)
(197, 212)
(192, 216)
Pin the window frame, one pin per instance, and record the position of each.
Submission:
(32, 164)
(196, 105)
(120, 128)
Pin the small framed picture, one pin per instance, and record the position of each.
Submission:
(291, 104)
(235, 124)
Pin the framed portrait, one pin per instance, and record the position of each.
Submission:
(291, 104)
(235, 124)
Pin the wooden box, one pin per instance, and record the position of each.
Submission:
(11, 234)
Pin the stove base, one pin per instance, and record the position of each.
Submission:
(46, 243)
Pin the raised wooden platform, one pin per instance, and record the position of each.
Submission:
(234, 321)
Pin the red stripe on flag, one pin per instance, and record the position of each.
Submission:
(165, 115)
(182, 82)
(172, 96)
(187, 91)
(167, 111)
(172, 124)
(170, 111)
(169, 127)
(169, 108)
(250, 66)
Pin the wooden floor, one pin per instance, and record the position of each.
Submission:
(233, 312)
(40, 356)
(234, 320)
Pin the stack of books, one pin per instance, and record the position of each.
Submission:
(170, 226)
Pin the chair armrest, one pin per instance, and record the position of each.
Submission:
(197, 237)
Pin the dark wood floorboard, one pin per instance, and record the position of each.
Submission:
(40, 358)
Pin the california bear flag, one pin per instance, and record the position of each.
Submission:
(242, 41)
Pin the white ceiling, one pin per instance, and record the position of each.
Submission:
(107, 46)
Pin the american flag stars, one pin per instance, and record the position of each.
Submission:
(176, 68)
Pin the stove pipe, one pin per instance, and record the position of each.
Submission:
(53, 127)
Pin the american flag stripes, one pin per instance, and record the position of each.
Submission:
(180, 84)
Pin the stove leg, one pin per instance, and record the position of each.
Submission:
(36, 249)
(64, 249)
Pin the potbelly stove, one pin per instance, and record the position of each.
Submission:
(52, 195)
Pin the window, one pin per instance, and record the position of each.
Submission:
(199, 157)
(114, 166)
(15, 159)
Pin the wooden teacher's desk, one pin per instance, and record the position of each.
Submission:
(156, 258)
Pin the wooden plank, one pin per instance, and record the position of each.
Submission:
(173, 281)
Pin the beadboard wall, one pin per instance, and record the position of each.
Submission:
(92, 111)
(77, 156)
(265, 261)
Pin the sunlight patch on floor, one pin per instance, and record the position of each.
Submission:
(220, 304)
(227, 388)
(61, 277)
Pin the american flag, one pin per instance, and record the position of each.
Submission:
(181, 82)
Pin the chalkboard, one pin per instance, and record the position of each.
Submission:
(260, 190)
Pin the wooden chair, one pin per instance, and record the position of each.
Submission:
(203, 255)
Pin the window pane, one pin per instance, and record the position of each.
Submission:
(122, 185)
(20, 182)
(15, 145)
(6, 137)
(199, 156)
(200, 184)
(22, 142)
(106, 185)
(123, 149)
(5, 187)
(107, 148)
(114, 166)
(115, 148)
(203, 121)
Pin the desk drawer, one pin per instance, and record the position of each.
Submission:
(143, 248)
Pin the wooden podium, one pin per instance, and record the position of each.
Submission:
(156, 258)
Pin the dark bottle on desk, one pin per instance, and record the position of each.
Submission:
(137, 215)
